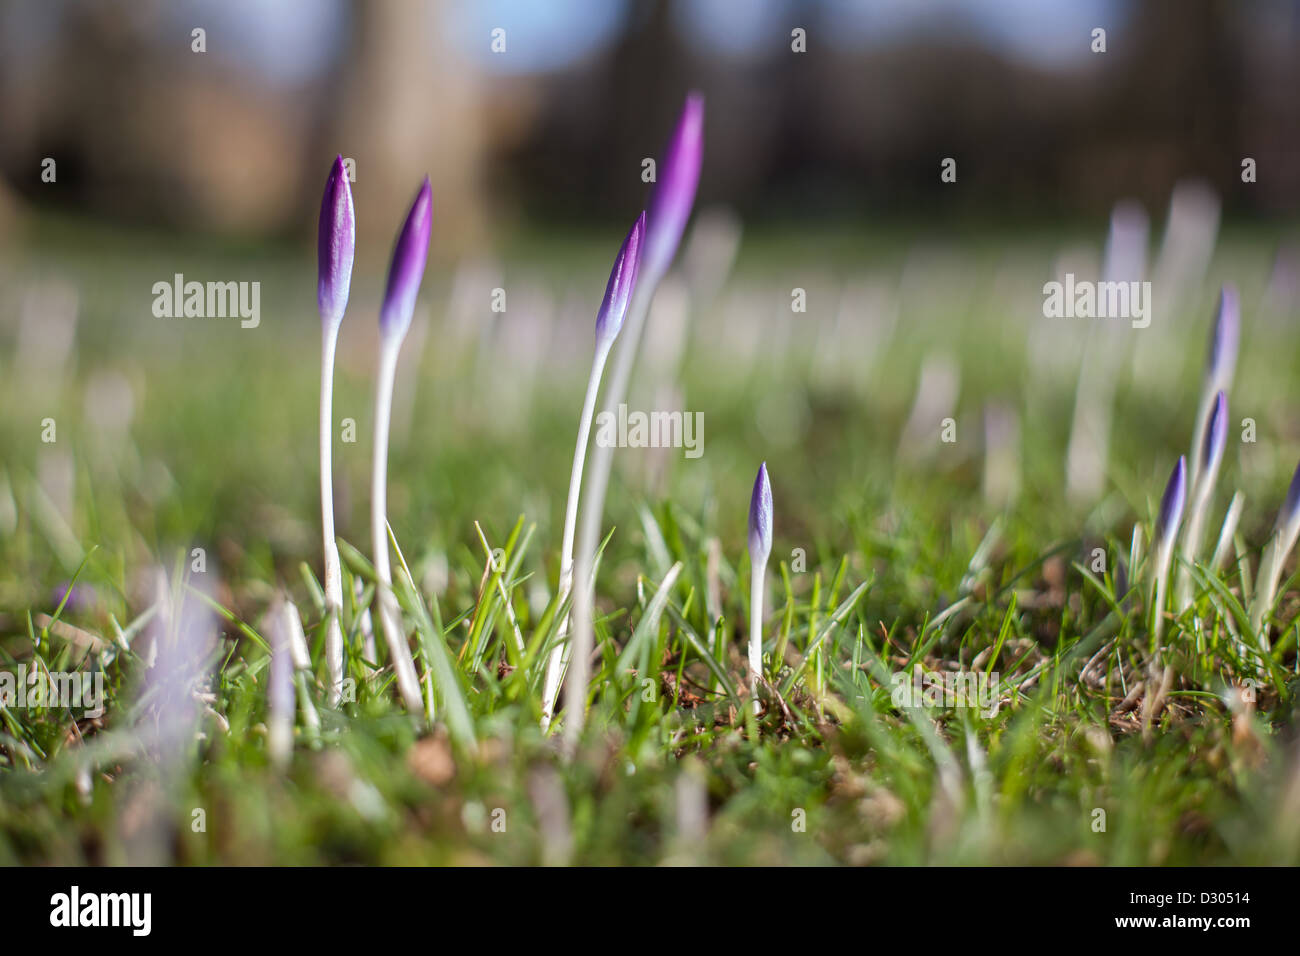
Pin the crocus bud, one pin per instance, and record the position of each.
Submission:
(1223, 340)
(1171, 505)
(1216, 436)
(760, 518)
(674, 192)
(335, 245)
(407, 267)
(622, 280)
(1288, 518)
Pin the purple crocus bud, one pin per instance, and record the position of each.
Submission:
(1224, 338)
(1289, 515)
(407, 268)
(335, 245)
(1216, 436)
(1171, 505)
(674, 192)
(760, 518)
(622, 281)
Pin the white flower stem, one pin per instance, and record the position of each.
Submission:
(408, 683)
(1270, 569)
(1203, 410)
(1161, 557)
(584, 639)
(280, 693)
(1224, 545)
(1193, 534)
(333, 571)
(365, 625)
(559, 657)
(1274, 560)
(594, 509)
(757, 587)
(603, 458)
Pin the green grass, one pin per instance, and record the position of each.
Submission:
(902, 566)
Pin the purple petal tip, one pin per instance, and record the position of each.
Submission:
(406, 271)
(1216, 436)
(335, 244)
(1225, 335)
(674, 192)
(1291, 505)
(1171, 505)
(760, 517)
(622, 282)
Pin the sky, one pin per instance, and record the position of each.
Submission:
(293, 41)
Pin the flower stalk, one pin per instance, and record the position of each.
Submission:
(1209, 457)
(665, 221)
(336, 245)
(670, 208)
(760, 549)
(1285, 531)
(1220, 366)
(609, 321)
(279, 694)
(1162, 544)
(404, 276)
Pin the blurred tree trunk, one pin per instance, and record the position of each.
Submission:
(411, 106)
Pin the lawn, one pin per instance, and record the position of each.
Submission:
(896, 556)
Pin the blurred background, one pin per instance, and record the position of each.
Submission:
(552, 129)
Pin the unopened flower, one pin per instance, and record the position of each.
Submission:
(1217, 436)
(619, 288)
(671, 201)
(678, 175)
(1285, 531)
(760, 548)
(609, 320)
(1288, 516)
(404, 275)
(1224, 341)
(1166, 531)
(1209, 457)
(760, 518)
(1171, 504)
(335, 245)
(1220, 364)
(406, 270)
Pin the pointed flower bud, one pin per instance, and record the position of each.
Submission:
(674, 192)
(1171, 505)
(1285, 532)
(760, 518)
(407, 267)
(336, 242)
(1224, 338)
(1216, 436)
(1288, 518)
(622, 280)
